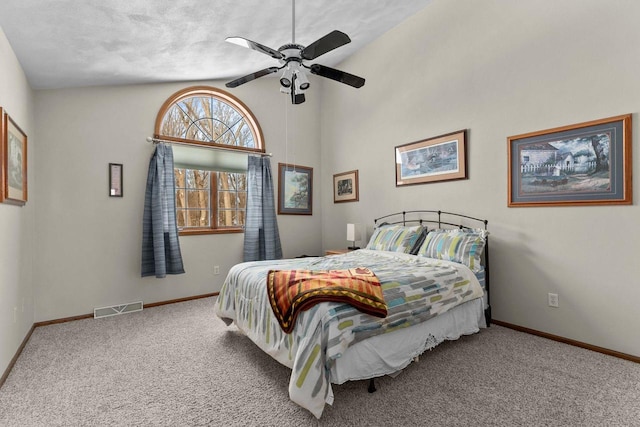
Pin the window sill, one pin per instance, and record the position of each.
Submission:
(199, 231)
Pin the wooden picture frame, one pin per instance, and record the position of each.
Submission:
(13, 162)
(345, 187)
(115, 179)
(441, 158)
(582, 164)
(295, 189)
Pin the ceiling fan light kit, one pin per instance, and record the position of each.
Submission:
(302, 82)
(287, 78)
(291, 57)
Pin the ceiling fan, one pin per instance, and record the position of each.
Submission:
(292, 59)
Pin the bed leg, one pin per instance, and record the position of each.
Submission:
(487, 316)
(372, 386)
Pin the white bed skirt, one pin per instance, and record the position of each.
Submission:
(389, 353)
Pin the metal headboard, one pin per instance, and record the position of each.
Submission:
(443, 220)
(436, 217)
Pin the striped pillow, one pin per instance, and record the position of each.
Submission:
(394, 238)
(462, 246)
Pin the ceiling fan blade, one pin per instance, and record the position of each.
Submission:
(252, 76)
(325, 44)
(337, 75)
(255, 46)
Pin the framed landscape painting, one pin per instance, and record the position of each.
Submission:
(584, 164)
(13, 165)
(295, 189)
(345, 187)
(442, 158)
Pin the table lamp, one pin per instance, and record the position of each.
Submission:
(353, 234)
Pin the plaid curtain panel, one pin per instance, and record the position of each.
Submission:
(160, 246)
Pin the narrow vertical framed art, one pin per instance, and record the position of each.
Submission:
(295, 189)
(13, 162)
(115, 179)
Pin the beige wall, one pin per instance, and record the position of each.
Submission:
(88, 251)
(16, 223)
(496, 68)
(501, 68)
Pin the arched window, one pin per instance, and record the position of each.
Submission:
(214, 132)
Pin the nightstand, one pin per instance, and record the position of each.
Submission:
(336, 251)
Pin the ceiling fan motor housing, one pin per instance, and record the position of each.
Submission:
(292, 62)
(290, 49)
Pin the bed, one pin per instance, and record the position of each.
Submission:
(429, 269)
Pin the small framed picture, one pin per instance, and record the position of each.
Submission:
(13, 164)
(115, 179)
(345, 187)
(295, 189)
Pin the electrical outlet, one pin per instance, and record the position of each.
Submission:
(553, 300)
(216, 269)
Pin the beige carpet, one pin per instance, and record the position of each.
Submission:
(178, 365)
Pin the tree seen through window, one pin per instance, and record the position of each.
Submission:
(211, 198)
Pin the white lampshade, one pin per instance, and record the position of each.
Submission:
(353, 232)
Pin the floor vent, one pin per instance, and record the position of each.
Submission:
(115, 310)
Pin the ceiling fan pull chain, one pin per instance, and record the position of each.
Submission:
(286, 133)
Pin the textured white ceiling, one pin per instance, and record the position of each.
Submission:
(71, 43)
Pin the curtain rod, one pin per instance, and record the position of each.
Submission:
(257, 153)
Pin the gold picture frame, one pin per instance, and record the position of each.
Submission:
(582, 164)
(441, 158)
(13, 164)
(345, 187)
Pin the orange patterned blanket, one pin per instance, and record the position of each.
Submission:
(291, 291)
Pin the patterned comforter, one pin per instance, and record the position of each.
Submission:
(415, 289)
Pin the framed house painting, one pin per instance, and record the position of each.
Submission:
(442, 158)
(584, 164)
(345, 187)
(13, 165)
(295, 189)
